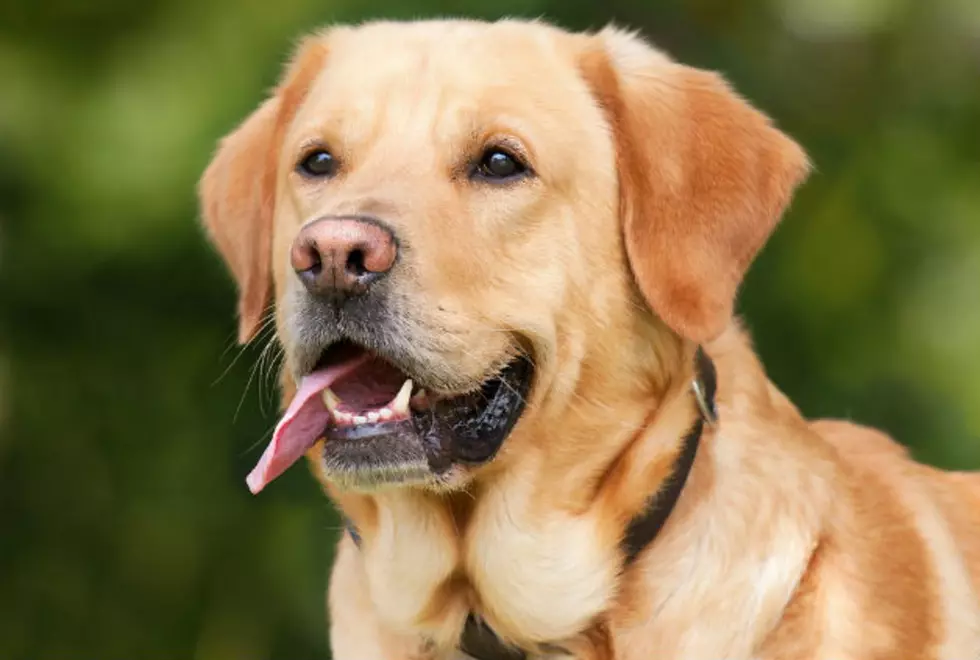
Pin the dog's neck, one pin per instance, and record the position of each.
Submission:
(621, 399)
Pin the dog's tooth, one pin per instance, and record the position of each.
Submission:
(330, 400)
(385, 414)
(342, 417)
(400, 402)
(360, 419)
(373, 416)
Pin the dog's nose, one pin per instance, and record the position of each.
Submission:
(344, 256)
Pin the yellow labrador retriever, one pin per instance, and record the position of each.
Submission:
(503, 260)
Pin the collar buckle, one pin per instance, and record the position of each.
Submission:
(704, 386)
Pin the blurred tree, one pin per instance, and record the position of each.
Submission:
(128, 419)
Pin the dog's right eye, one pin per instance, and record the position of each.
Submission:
(319, 163)
(499, 165)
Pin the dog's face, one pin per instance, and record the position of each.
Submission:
(497, 213)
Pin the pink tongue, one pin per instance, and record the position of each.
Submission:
(301, 426)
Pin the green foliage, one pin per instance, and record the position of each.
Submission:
(128, 419)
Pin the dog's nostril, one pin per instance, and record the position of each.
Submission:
(317, 267)
(355, 263)
(305, 258)
(314, 263)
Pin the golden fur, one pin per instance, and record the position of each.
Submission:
(655, 187)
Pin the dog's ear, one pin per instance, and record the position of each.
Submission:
(238, 189)
(704, 178)
(237, 194)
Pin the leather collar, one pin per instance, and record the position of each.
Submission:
(480, 642)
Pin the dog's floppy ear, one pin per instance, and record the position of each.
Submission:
(238, 189)
(704, 178)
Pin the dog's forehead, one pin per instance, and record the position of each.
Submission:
(439, 77)
(454, 50)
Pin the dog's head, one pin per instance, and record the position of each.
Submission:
(461, 223)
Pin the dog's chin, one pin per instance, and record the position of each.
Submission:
(435, 442)
(378, 465)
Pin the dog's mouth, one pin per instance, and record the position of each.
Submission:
(381, 426)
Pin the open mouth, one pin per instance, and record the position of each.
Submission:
(381, 426)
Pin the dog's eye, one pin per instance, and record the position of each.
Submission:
(498, 165)
(319, 163)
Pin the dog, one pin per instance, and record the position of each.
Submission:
(503, 259)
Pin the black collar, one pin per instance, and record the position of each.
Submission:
(645, 527)
(479, 641)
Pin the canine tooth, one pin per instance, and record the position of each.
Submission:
(343, 417)
(400, 403)
(360, 419)
(330, 400)
(373, 416)
(385, 414)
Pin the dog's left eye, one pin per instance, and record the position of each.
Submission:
(319, 163)
(499, 165)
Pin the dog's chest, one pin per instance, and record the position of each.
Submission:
(534, 578)
(537, 578)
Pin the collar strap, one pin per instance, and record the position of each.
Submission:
(481, 643)
(644, 527)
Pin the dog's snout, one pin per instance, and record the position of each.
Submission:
(341, 257)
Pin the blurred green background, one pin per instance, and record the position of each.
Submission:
(128, 419)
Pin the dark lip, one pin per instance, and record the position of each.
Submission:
(467, 429)
(476, 438)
